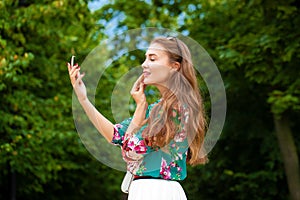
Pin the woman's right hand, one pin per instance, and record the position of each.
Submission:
(76, 81)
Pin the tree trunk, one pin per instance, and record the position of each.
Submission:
(289, 154)
(13, 186)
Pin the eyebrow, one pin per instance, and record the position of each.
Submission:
(151, 54)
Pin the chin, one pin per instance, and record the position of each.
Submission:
(147, 82)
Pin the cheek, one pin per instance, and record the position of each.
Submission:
(159, 74)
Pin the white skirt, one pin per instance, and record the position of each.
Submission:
(155, 189)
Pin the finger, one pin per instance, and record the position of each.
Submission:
(138, 82)
(135, 87)
(74, 68)
(133, 91)
(79, 79)
(141, 87)
(74, 76)
(74, 71)
(141, 77)
(69, 67)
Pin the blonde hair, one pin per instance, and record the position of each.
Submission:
(183, 92)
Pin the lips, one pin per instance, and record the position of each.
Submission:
(146, 73)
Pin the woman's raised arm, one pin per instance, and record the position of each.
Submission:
(103, 125)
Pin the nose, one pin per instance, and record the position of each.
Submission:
(144, 64)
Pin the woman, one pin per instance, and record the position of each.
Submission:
(159, 140)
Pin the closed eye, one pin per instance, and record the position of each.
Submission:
(151, 57)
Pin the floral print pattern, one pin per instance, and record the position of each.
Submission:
(168, 163)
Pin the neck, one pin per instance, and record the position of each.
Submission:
(162, 90)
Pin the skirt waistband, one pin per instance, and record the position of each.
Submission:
(135, 177)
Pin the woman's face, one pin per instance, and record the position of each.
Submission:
(156, 67)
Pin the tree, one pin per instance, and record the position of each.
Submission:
(260, 40)
(40, 151)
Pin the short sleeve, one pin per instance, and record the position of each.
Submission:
(119, 132)
(121, 128)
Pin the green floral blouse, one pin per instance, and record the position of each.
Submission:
(142, 160)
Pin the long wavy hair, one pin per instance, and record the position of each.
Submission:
(183, 93)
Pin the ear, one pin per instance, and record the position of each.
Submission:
(176, 66)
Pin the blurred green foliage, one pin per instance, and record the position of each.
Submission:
(39, 145)
(254, 43)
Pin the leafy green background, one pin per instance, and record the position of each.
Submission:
(254, 43)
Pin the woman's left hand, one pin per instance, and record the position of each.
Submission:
(137, 91)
